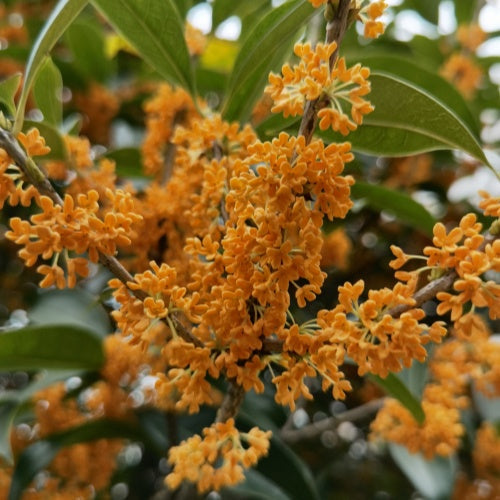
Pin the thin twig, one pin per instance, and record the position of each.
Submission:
(314, 431)
(231, 402)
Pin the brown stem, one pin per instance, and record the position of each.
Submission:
(313, 431)
(36, 177)
(231, 402)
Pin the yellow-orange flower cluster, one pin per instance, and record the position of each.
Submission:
(313, 79)
(218, 458)
(74, 227)
(463, 72)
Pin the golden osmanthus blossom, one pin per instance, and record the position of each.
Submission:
(73, 227)
(99, 106)
(336, 249)
(489, 204)
(463, 72)
(218, 458)
(312, 79)
(369, 14)
(168, 108)
(33, 143)
(439, 434)
(486, 454)
(195, 40)
(409, 171)
(378, 342)
(470, 36)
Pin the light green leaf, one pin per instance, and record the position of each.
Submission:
(8, 89)
(86, 41)
(432, 478)
(51, 347)
(156, 30)
(400, 204)
(47, 91)
(53, 139)
(263, 49)
(39, 455)
(61, 17)
(395, 388)
(408, 120)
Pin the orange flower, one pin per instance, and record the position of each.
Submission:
(313, 79)
(463, 72)
(33, 143)
(218, 458)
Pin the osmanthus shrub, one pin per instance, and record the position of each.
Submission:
(212, 223)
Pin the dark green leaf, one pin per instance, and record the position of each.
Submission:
(222, 9)
(128, 162)
(288, 471)
(53, 139)
(61, 17)
(86, 41)
(271, 126)
(398, 203)
(408, 120)
(51, 347)
(40, 454)
(47, 91)
(8, 89)
(256, 487)
(395, 388)
(424, 79)
(263, 49)
(156, 30)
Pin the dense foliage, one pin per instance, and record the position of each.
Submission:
(255, 268)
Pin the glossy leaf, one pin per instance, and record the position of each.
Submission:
(51, 347)
(63, 14)
(39, 455)
(156, 30)
(256, 487)
(47, 91)
(128, 162)
(8, 90)
(408, 120)
(222, 9)
(396, 388)
(398, 203)
(424, 79)
(86, 41)
(432, 478)
(53, 139)
(263, 49)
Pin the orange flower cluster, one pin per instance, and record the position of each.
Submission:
(470, 36)
(195, 40)
(218, 458)
(99, 106)
(439, 434)
(167, 109)
(369, 15)
(74, 227)
(313, 79)
(463, 72)
(336, 249)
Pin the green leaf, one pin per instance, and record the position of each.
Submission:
(53, 139)
(395, 388)
(40, 454)
(86, 41)
(8, 410)
(71, 307)
(428, 9)
(425, 80)
(407, 120)
(399, 203)
(128, 162)
(47, 91)
(156, 30)
(51, 347)
(256, 487)
(222, 9)
(464, 11)
(288, 471)
(62, 15)
(263, 49)
(434, 479)
(8, 89)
